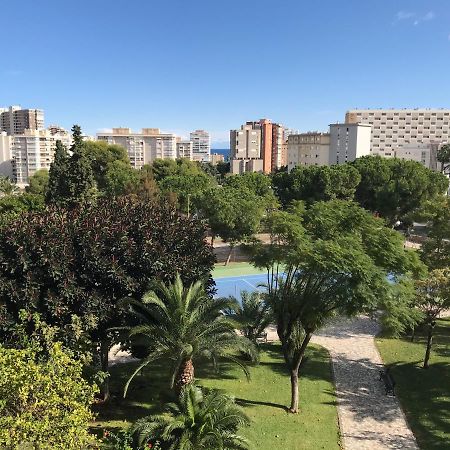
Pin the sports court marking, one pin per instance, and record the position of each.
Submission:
(234, 285)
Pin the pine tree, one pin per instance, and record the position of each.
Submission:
(57, 184)
(80, 178)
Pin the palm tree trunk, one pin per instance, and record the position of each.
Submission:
(429, 344)
(185, 375)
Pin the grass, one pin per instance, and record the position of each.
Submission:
(423, 393)
(264, 399)
(235, 269)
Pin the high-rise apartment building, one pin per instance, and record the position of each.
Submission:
(270, 142)
(349, 141)
(246, 149)
(393, 129)
(185, 150)
(201, 145)
(308, 149)
(144, 147)
(16, 120)
(6, 169)
(33, 150)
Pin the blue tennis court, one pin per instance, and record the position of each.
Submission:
(234, 285)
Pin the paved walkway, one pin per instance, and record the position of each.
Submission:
(369, 419)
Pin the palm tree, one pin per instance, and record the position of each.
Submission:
(185, 324)
(198, 421)
(253, 315)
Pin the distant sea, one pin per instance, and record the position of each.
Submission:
(222, 151)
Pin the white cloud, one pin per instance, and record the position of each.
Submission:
(404, 15)
(413, 17)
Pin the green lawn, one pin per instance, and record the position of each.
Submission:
(234, 269)
(264, 399)
(424, 394)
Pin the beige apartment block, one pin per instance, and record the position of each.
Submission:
(308, 149)
(16, 120)
(143, 147)
(240, 166)
(216, 158)
(395, 128)
(185, 149)
(201, 145)
(349, 141)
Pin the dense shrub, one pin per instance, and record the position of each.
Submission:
(43, 403)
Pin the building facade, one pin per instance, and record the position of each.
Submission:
(308, 149)
(144, 147)
(16, 120)
(185, 149)
(216, 158)
(33, 150)
(349, 141)
(6, 169)
(201, 145)
(393, 129)
(262, 140)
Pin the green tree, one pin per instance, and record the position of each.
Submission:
(199, 420)
(38, 183)
(253, 315)
(101, 155)
(443, 156)
(80, 177)
(396, 188)
(58, 190)
(82, 262)
(7, 187)
(45, 403)
(435, 251)
(189, 189)
(120, 178)
(335, 258)
(233, 214)
(316, 183)
(12, 205)
(185, 325)
(433, 297)
(163, 168)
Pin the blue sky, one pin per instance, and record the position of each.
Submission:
(182, 65)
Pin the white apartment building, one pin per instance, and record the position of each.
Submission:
(308, 149)
(144, 147)
(185, 150)
(201, 145)
(33, 150)
(349, 141)
(6, 169)
(393, 129)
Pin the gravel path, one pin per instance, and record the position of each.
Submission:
(368, 418)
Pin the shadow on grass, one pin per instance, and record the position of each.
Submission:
(244, 402)
(425, 397)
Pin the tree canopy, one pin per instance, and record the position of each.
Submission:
(82, 262)
(396, 188)
(333, 257)
(316, 183)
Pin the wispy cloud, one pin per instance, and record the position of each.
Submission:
(413, 17)
(405, 15)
